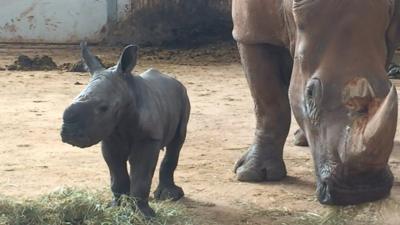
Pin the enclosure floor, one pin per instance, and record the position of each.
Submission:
(34, 161)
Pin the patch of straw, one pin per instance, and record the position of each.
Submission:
(69, 206)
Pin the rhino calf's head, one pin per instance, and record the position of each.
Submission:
(97, 110)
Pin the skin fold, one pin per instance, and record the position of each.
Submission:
(134, 116)
(326, 61)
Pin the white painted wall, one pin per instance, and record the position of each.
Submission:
(58, 21)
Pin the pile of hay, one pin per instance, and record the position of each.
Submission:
(383, 212)
(70, 206)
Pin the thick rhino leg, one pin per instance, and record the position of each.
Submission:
(143, 164)
(116, 162)
(167, 189)
(266, 71)
(300, 138)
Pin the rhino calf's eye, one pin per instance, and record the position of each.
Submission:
(103, 109)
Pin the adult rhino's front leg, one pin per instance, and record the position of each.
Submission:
(267, 79)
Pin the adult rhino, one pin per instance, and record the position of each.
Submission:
(326, 60)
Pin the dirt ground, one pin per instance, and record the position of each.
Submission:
(34, 161)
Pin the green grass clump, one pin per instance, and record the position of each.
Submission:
(69, 206)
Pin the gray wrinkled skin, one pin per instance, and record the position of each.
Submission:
(326, 61)
(134, 117)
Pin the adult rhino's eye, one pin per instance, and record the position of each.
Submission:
(312, 100)
(310, 92)
(313, 90)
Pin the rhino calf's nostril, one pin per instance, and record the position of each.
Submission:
(69, 118)
(72, 113)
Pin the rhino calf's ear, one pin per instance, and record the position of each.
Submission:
(91, 61)
(128, 59)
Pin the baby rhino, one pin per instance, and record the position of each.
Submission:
(134, 117)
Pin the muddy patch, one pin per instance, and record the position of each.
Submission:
(221, 53)
(79, 66)
(46, 63)
(25, 63)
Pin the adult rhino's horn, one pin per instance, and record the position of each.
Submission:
(91, 61)
(381, 128)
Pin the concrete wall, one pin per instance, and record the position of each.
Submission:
(152, 22)
(59, 21)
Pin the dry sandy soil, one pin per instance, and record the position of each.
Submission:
(34, 161)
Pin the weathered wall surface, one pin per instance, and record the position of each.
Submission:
(175, 22)
(55, 21)
(146, 22)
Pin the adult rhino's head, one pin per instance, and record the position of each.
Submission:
(97, 110)
(341, 96)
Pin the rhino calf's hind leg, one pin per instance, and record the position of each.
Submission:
(166, 188)
(268, 82)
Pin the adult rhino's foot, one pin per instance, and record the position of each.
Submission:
(300, 138)
(168, 192)
(254, 166)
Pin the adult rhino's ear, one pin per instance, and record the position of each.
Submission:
(128, 59)
(393, 32)
(91, 61)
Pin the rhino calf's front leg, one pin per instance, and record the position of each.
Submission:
(143, 162)
(116, 157)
